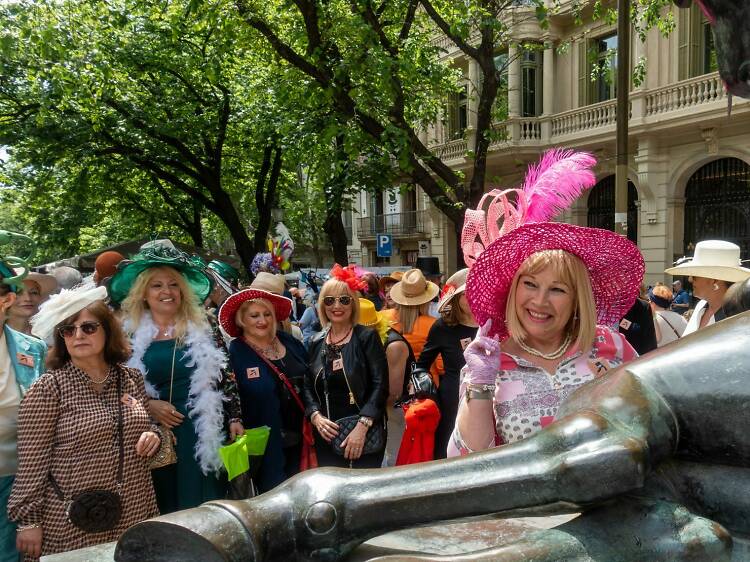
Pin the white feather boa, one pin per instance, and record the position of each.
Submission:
(205, 403)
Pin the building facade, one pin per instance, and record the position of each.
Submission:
(689, 161)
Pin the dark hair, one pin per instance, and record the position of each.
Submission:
(4, 289)
(116, 347)
(736, 299)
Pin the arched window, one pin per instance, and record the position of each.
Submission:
(717, 204)
(601, 207)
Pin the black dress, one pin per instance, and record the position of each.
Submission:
(450, 342)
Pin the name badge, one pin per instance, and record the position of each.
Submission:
(625, 324)
(128, 400)
(465, 343)
(599, 366)
(26, 360)
(253, 373)
(338, 365)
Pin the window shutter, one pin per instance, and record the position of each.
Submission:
(583, 74)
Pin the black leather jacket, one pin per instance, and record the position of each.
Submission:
(365, 367)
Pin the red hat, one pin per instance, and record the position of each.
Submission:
(106, 264)
(282, 307)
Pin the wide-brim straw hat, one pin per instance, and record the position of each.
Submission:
(282, 307)
(393, 277)
(713, 259)
(615, 267)
(47, 283)
(271, 282)
(454, 287)
(414, 289)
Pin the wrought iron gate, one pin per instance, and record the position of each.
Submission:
(717, 204)
(601, 207)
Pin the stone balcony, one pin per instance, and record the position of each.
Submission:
(696, 101)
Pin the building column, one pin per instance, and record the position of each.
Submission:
(514, 92)
(657, 217)
(548, 85)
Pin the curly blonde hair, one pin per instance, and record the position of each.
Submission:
(190, 311)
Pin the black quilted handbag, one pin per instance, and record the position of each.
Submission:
(421, 384)
(374, 440)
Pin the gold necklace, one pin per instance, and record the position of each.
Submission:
(105, 379)
(265, 351)
(559, 352)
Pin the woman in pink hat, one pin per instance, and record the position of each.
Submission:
(546, 296)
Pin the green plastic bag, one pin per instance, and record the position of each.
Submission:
(236, 456)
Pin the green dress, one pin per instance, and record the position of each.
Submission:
(181, 485)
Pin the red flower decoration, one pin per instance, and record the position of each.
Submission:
(448, 288)
(348, 276)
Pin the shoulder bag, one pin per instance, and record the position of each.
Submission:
(375, 437)
(95, 511)
(167, 454)
(308, 456)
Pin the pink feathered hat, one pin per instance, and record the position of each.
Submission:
(495, 251)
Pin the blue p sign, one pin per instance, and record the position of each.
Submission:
(384, 245)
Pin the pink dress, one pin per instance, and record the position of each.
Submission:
(527, 397)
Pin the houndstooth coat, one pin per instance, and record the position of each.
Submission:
(68, 430)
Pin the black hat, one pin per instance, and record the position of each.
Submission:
(429, 266)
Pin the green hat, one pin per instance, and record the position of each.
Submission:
(159, 256)
(225, 270)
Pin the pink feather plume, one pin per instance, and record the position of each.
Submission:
(552, 185)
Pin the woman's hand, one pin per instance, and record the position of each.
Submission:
(148, 443)
(29, 541)
(482, 357)
(355, 442)
(327, 429)
(164, 413)
(235, 430)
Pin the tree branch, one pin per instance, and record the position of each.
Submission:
(446, 29)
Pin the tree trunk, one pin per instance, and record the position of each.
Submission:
(334, 226)
(196, 228)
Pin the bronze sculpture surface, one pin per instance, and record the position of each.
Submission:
(655, 450)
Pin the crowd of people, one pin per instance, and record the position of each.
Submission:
(118, 392)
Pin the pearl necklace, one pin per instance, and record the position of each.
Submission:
(559, 352)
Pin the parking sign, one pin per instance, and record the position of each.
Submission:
(384, 245)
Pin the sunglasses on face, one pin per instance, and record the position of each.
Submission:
(88, 328)
(345, 300)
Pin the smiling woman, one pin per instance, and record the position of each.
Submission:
(194, 395)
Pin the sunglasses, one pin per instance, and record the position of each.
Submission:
(345, 300)
(69, 330)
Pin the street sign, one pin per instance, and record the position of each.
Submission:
(384, 245)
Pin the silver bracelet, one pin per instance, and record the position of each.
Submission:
(27, 527)
(479, 392)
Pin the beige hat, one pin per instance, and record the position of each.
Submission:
(47, 283)
(414, 289)
(454, 286)
(713, 259)
(265, 281)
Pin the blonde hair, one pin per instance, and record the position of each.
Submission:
(408, 313)
(570, 270)
(334, 288)
(247, 304)
(190, 311)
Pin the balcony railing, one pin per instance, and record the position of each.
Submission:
(408, 223)
(703, 94)
(685, 94)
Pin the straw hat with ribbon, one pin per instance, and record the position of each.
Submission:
(496, 250)
(454, 287)
(414, 289)
(713, 259)
(392, 278)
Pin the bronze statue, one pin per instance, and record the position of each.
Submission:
(655, 453)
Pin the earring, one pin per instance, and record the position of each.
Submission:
(716, 286)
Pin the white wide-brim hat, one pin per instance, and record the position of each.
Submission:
(713, 259)
(61, 306)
